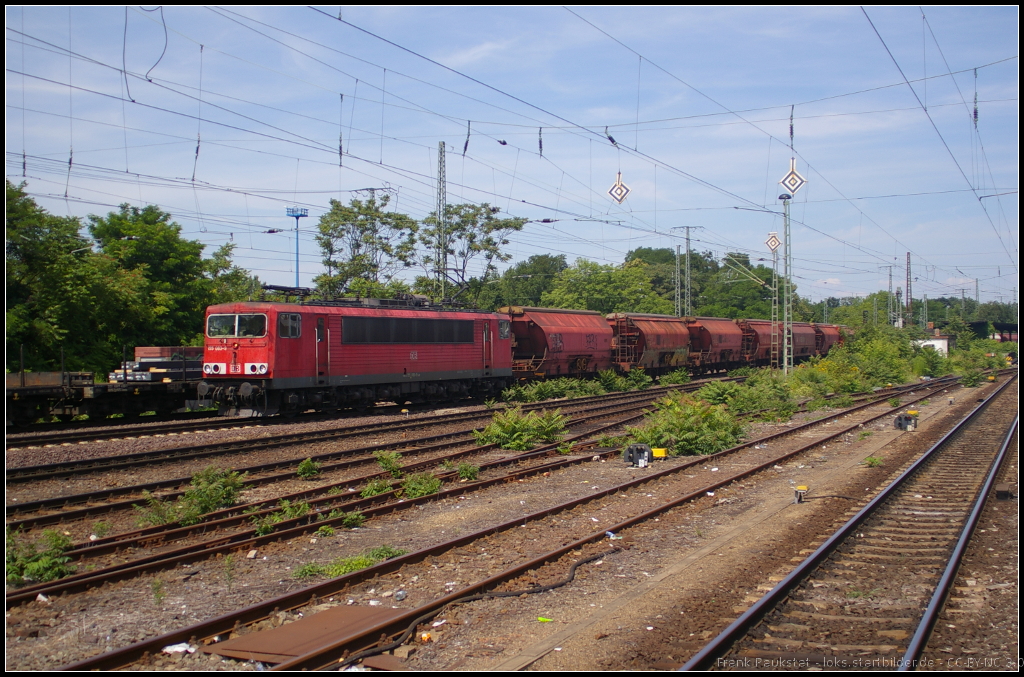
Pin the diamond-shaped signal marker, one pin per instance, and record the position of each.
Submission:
(619, 190)
(793, 181)
(773, 241)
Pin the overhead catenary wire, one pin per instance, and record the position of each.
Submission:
(514, 171)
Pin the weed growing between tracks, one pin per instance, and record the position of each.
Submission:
(389, 462)
(607, 382)
(421, 484)
(212, 489)
(308, 469)
(686, 426)
(347, 565)
(27, 564)
(515, 431)
(375, 487)
(468, 471)
(286, 510)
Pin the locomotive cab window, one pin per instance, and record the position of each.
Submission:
(236, 326)
(289, 325)
(504, 329)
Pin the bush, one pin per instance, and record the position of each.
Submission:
(308, 468)
(539, 391)
(636, 379)
(719, 392)
(685, 426)
(677, 377)
(611, 382)
(765, 393)
(511, 429)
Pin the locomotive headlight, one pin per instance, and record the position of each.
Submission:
(207, 369)
(214, 368)
(255, 367)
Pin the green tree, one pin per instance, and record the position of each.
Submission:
(739, 290)
(523, 284)
(62, 295)
(364, 247)
(230, 282)
(136, 282)
(606, 288)
(178, 284)
(470, 232)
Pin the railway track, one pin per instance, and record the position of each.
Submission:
(177, 454)
(579, 540)
(43, 512)
(54, 510)
(867, 598)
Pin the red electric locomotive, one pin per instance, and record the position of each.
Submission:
(267, 358)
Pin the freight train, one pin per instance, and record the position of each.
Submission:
(268, 358)
(161, 380)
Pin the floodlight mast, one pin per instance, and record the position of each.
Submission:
(296, 213)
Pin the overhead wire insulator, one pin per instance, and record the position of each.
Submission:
(540, 140)
(465, 146)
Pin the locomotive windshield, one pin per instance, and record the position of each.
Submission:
(236, 326)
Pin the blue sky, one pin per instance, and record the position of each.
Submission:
(698, 101)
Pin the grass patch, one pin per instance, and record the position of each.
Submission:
(348, 565)
(873, 462)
